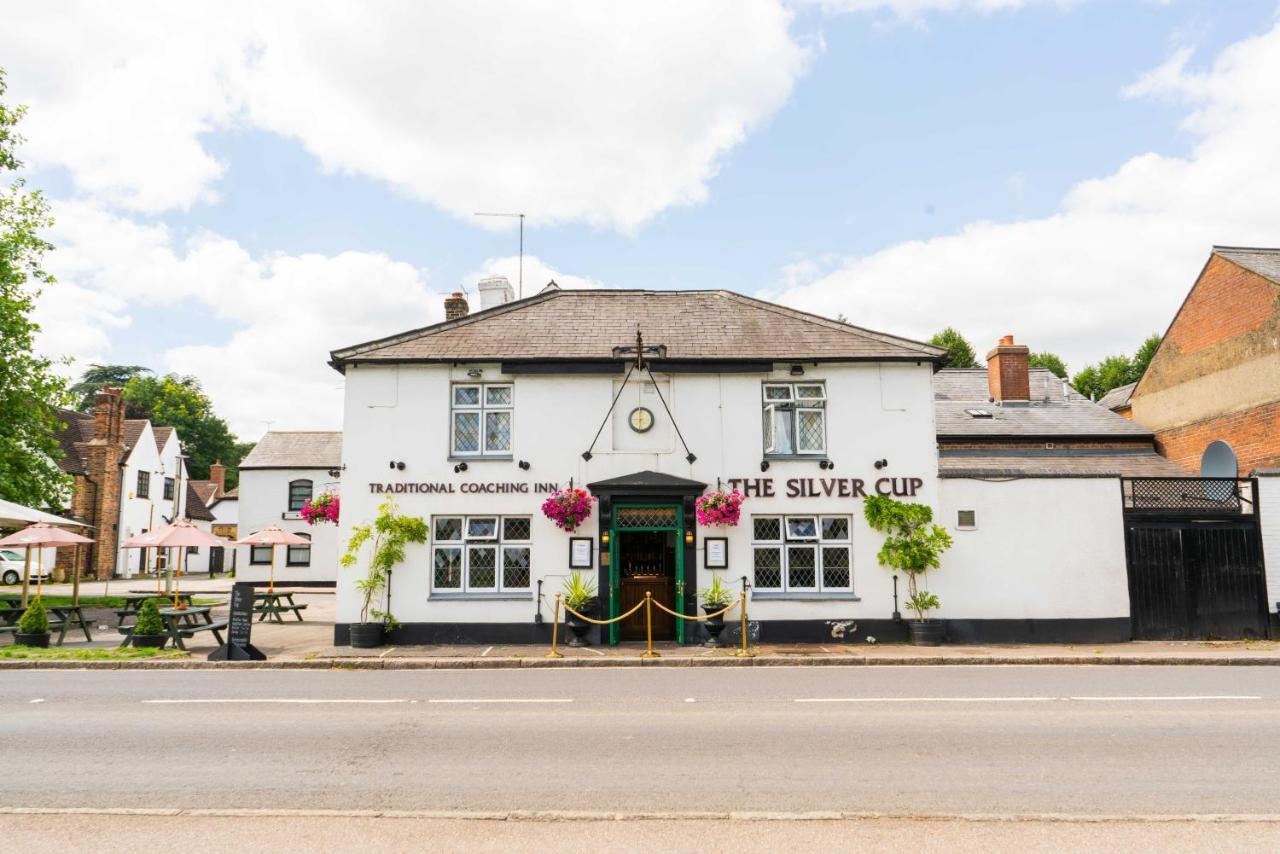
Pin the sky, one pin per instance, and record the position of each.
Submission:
(241, 188)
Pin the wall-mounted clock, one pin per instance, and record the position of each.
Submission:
(641, 419)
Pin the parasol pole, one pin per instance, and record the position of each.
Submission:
(271, 583)
(26, 578)
(75, 575)
(175, 586)
(40, 573)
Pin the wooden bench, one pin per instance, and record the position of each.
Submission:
(54, 625)
(267, 610)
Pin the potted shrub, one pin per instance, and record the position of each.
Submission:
(715, 598)
(33, 626)
(580, 595)
(719, 509)
(914, 545)
(388, 535)
(568, 508)
(149, 630)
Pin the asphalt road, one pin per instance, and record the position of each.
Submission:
(912, 740)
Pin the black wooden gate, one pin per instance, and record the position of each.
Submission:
(1194, 553)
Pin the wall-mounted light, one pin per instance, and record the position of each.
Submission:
(393, 464)
(524, 465)
(826, 464)
(797, 370)
(475, 373)
(460, 467)
(881, 463)
(586, 455)
(335, 473)
(691, 459)
(688, 538)
(764, 465)
(604, 537)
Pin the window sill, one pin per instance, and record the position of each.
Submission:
(484, 597)
(779, 596)
(785, 458)
(487, 458)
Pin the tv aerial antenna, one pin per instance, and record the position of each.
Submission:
(519, 216)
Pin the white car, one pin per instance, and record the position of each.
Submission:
(11, 562)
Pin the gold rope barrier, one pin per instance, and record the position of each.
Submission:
(648, 604)
(555, 623)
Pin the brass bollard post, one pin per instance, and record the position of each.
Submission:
(648, 620)
(555, 630)
(742, 604)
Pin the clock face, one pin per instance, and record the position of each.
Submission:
(641, 419)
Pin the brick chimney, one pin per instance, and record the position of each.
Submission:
(456, 306)
(218, 474)
(108, 416)
(1009, 371)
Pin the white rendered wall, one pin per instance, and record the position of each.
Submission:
(1043, 548)
(264, 500)
(1269, 509)
(139, 514)
(402, 414)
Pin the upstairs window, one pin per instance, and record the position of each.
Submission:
(168, 489)
(802, 554)
(299, 493)
(480, 554)
(481, 417)
(795, 419)
(144, 484)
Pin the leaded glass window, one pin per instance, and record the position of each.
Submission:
(482, 419)
(795, 419)
(802, 554)
(481, 554)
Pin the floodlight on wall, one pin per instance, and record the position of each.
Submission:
(826, 464)
(475, 373)
(881, 464)
(524, 465)
(797, 370)
(764, 465)
(395, 465)
(460, 467)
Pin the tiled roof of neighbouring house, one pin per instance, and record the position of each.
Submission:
(1080, 462)
(79, 429)
(312, 449)
(1264, 262)
(162, 435)
(205, 489)
(196, 508)
(1118, 397)
(1050, 413)
(589, 324)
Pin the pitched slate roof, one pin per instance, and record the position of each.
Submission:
(196, 508)
(1082, 462)
(589, 324)
(133, 428)
(1049, 414)
(1118, 397)
(1264, 262)
(205, 489)
(162, 435)
(311, 449)
(79, 429)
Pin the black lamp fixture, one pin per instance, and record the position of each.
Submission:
(460, 467)
(399, 466)
(764, 465)
(797, 370)
(335, 473)
(826, 464)
(881, 463)
(691, 459)
(586, 455)
(524, 465)
(475, 373)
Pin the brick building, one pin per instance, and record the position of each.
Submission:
(1212, 391)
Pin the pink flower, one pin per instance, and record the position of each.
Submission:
(323, 509)
(568, 508)
(719, 509)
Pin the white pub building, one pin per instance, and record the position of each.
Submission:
(650, 398)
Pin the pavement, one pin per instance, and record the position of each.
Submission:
(310, 644)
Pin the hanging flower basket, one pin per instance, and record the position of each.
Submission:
(719, 509)
(321, 510)
(568, 508)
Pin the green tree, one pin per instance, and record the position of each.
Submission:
(913, 544)
(181, 403)
(1142, 358)
(959, 350)
(97, 377)
(390, 533)
(30, 391)
(1114, 371)
(1051, 361)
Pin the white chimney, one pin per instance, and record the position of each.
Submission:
(494, 291)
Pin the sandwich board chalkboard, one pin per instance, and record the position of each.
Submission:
(239, 628)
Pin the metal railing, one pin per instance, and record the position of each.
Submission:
(1235, 496)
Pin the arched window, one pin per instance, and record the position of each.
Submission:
(299, 493)
(299, 555)
(1219, 460)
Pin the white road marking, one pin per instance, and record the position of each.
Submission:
(690, 700)
(456, 701)
(298, 700)
(1100, 699)
(388, 652)
(1139, 699)
(38, 700)
(486, 652)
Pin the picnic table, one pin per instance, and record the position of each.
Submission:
(133, 602)
(62, 617)
(182, 623)
(274, 604)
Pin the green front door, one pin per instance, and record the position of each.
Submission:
(643, 517)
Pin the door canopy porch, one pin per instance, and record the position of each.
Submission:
(647, 483)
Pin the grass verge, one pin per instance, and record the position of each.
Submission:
(14, 652)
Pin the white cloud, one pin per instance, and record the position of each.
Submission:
(590, 111)
(916, 9)
(1113, 264)
(537, 274)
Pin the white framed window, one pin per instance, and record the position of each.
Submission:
(481, 419)
(298, 555)
(802, 554)
(795, 419)
(481, 554)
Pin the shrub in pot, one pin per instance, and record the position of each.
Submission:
(580, 595)
(149, 630)
(33, 626)
(715, 599)
(913, 545)
(387, 536)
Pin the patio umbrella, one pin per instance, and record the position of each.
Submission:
(180, 534)
(14, 515)
(39, 535)
(273, 535)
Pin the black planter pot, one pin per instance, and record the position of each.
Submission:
(149, 641)
(579, 627)
(926, 632)
(367, 635)
(41, 639)
(714, 625)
